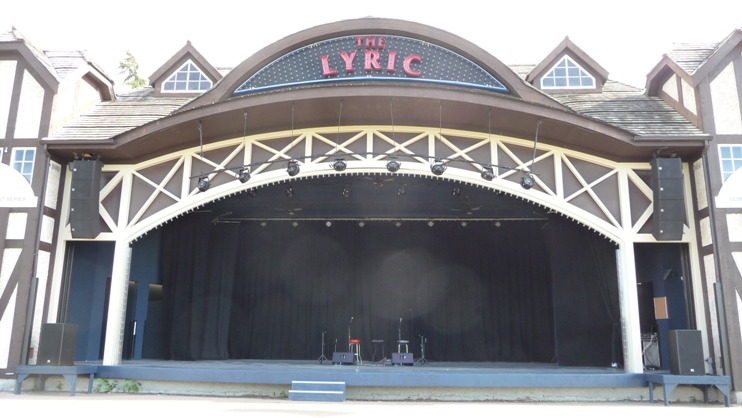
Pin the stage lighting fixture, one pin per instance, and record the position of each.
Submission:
(438, 167)
(498, 224)
(244, 175)
(456, 191)
(398, 224)
(328, 223)
(393, 166)
(295, 223)
(293, 168)
(264, 223)
(289, 192)
(401, 191)
(253, 192)
(203, 184)
(488, 173)
(339, 165)
(526, 182)
(463, 224)
(361, 224)
(346, 191)
(430, 223)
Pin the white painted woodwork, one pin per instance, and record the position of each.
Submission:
(725, 102)
(710, 269)
(42, 272)
(629, 306)
(30, 106)
(700, 179)
(117, 304)
(7, 79)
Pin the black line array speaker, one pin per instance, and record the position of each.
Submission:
(340, 357)
(84, 197)
(686, 352)
(57, 345)
(403, 359)
(667, 188)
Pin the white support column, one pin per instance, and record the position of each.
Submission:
(629, 302)
(117, 304)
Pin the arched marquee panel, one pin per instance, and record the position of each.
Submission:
(613, 198)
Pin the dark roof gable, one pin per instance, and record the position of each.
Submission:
(184, 54)
(567, 47)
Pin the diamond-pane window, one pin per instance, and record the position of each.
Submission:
(731, 159)
(187, 78)
(22, 161)
(567, 74)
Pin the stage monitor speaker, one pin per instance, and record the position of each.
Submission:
(84, 197)
(686, 352)
(57, 345)
(403, 359)
(340, 357)
(667, 189)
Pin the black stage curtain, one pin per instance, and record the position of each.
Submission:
(585, 295)
(478, 293)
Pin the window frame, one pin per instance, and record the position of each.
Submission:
(725, 175)
(175, 81)
(567, 76)
(13, 161)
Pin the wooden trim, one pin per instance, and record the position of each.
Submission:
(577, 53)
(15, 100)
(178, 58)
(726, 47)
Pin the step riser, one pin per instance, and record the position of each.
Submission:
(316, 396)
(327, 387)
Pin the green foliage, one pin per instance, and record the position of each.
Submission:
(110, 386)
(130, 67)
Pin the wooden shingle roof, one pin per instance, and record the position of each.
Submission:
(690, 56)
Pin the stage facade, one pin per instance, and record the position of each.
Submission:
(382, 180)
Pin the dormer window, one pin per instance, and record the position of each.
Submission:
(188, 78)
(567, 74)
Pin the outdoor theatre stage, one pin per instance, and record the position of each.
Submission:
(436, 374)
(487, 278)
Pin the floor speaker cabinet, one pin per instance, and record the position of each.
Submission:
(57, 345)
(686, 352)
(84, 197)
(402, 359)
(667, 190)
(340, 357)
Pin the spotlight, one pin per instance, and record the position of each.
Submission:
(488, 173)
(289, 192)
(361, 224)
(463, 224)
(393, 165)
(328, 223)
(438, 167)
(456, 191)
(401, 191)
(339, 165)
(497, 224)
(264, 223)
(398, 224)
(430, 224)
(203, 184)
(526, 182)
(244, 175)
(295, 223)
(346, 191)
(293, 168)
(253, 192)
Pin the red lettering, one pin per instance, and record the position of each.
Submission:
(382, 42)
(372, 61)
(359, 41)
(348, 60)
(390, 61)
(326, 70)
(370, 42)
(406, 64)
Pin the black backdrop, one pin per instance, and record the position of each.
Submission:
(478, 293)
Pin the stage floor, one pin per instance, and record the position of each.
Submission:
(435, 374)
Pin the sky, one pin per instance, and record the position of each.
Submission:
(626, 37)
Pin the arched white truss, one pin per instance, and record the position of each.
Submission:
(613, 198)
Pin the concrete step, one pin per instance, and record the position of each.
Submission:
(317, 391)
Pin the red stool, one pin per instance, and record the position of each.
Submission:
(354, 346)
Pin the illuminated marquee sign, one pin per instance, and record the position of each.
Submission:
(370, 58)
